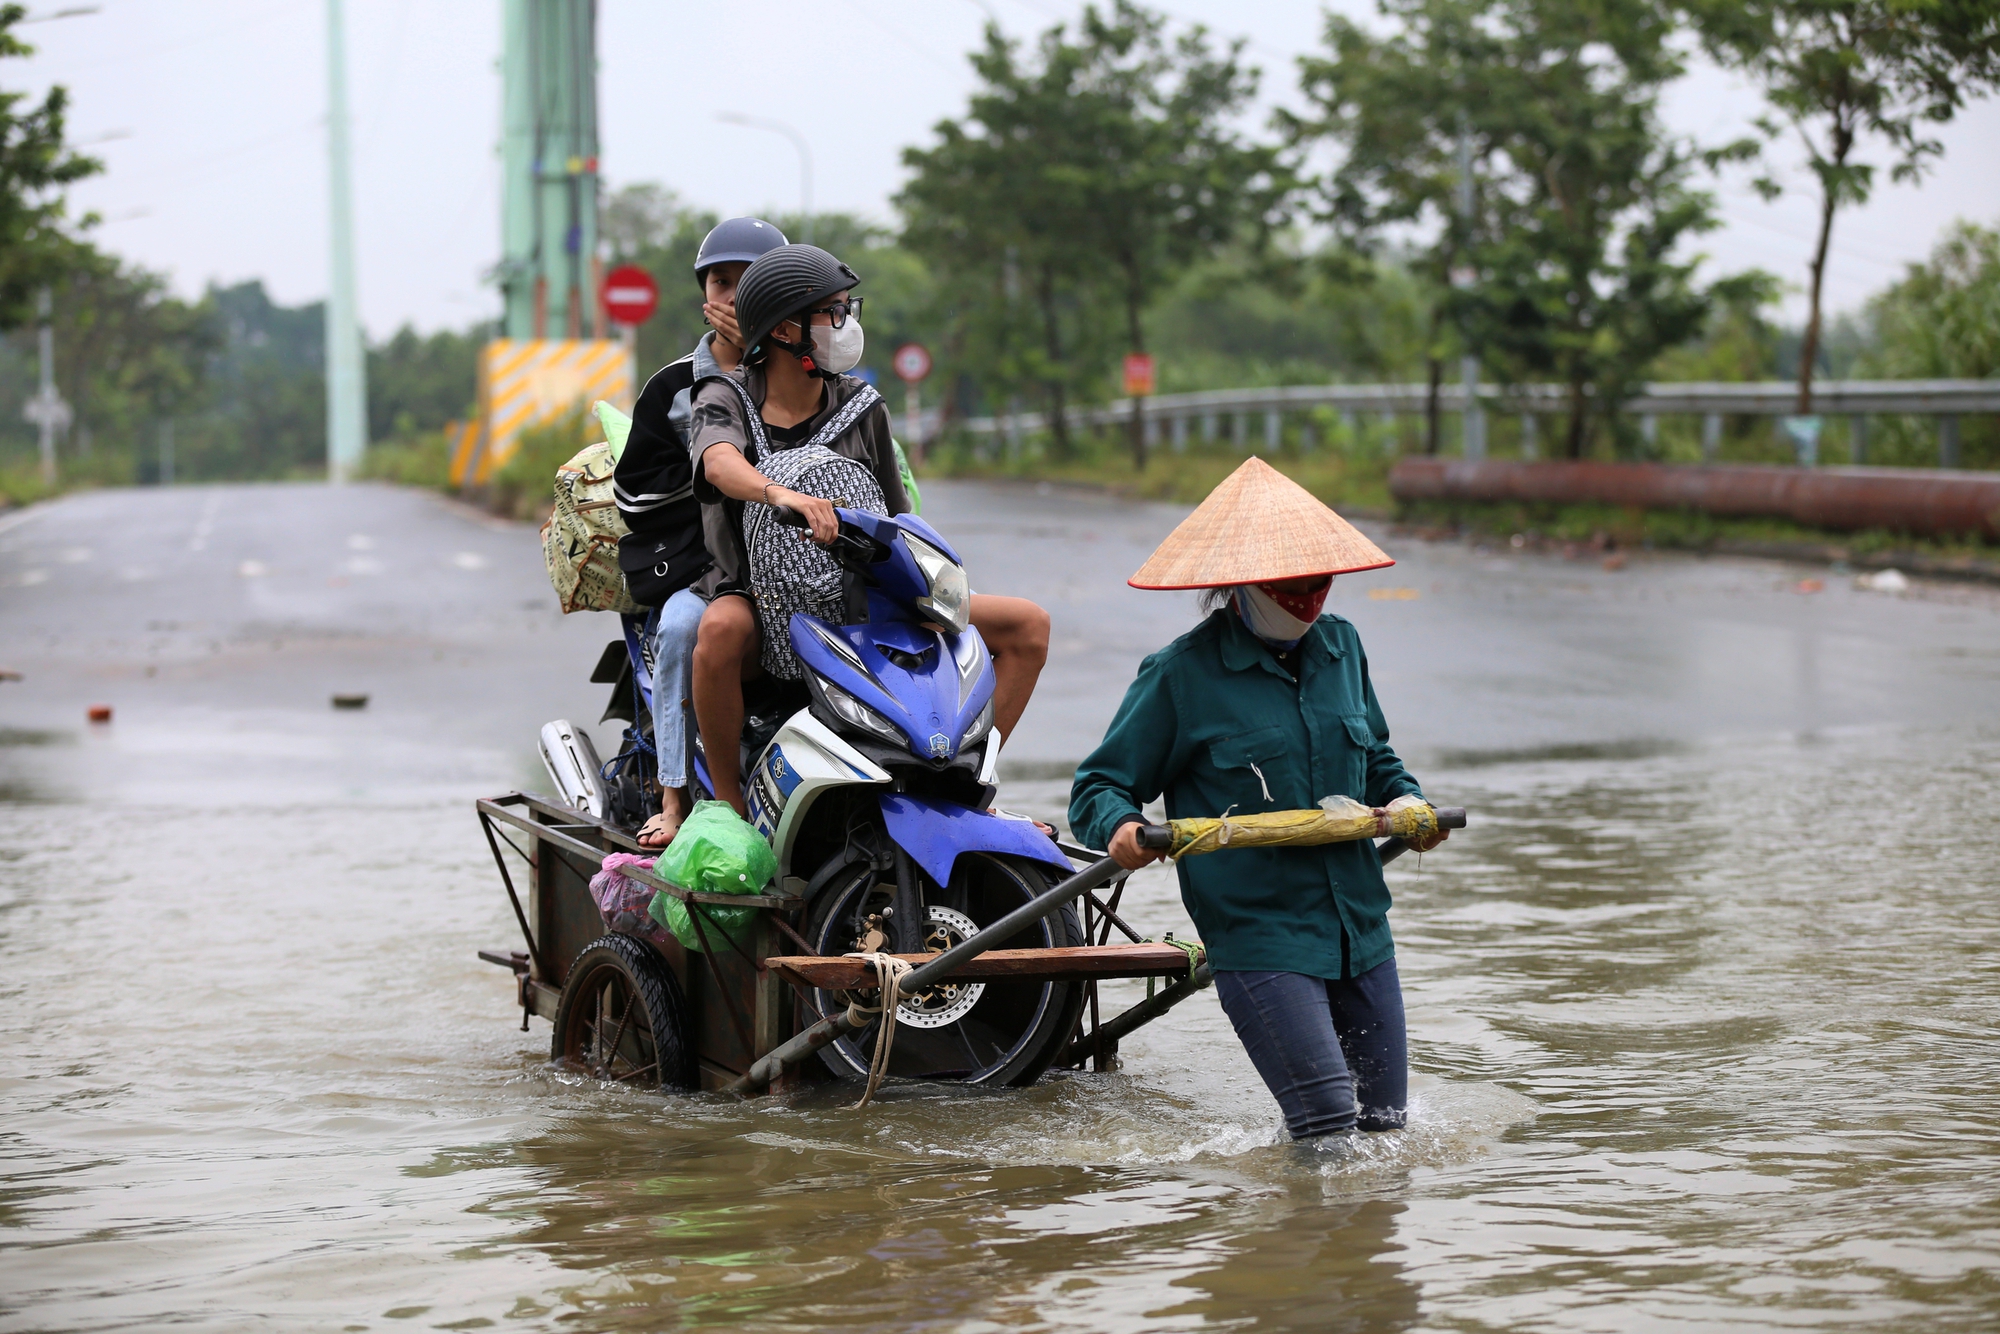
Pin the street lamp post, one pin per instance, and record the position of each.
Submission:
(805, 161)
(47, 409)
(346, 365)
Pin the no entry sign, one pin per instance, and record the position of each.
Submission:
(912, 362)
(630, 295)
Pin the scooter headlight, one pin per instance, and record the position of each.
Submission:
(851, 710)
(980, 727)
(950, 598)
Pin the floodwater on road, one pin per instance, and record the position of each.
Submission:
(1703, 1006)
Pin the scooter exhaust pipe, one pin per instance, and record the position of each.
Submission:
(571, 759)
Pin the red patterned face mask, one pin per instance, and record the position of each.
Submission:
(1304, 606)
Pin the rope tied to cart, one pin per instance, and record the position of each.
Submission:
(889, 974)
(1195, 952)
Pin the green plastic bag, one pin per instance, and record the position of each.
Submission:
(715, 852)
(617, 427)
(909, 478)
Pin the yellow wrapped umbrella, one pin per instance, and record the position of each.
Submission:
(1334, 820)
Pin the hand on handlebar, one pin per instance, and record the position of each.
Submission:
(818, 513)
(1125, 849)
(1427, 843)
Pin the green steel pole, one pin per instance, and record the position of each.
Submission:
(548, 220)
(346, 370)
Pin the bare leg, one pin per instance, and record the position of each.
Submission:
(674, 632)
(1016, 632)
(727, 643)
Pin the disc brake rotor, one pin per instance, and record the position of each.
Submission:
(947, 1002)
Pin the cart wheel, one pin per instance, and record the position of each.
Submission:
(621, 1018)
(993, 1032)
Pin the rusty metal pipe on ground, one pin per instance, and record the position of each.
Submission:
(1925, 502)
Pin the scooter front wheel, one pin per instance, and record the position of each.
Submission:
(994, 1032)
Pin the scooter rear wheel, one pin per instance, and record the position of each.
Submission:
(993, 1033)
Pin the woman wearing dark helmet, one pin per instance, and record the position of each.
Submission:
(791, 410)
(664, 552)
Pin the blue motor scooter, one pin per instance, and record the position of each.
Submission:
(872, 780)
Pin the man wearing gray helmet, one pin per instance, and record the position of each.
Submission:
(791, 410)
(664, 552)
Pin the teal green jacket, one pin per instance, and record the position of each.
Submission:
(1217, 725)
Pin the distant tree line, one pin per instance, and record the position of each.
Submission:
(232, 383)
(1489, 177)
(1465, 177)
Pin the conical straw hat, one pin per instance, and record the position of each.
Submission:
(1258, 527)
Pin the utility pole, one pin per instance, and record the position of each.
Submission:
(549, 184)
(47, 409)
(346, 370)
(1475, 414)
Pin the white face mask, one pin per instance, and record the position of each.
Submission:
(1266, 619)
(837, 350)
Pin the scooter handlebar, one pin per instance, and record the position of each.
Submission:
(788, 517)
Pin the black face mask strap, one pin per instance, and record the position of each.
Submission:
(804, 350)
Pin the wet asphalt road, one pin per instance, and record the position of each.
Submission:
(1702, 1006)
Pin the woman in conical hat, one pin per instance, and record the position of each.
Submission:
(1266, 706)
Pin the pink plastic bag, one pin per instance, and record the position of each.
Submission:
(624, 902)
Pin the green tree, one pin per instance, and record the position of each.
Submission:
(1098, 170)
(1841, 71)
(990, 207)
(1565, 251)
(129, 355)
(1405, 111)
(1941, 320)
(36, 245)
(417, 382)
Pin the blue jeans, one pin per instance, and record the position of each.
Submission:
(673, 664)
(1333, 1053)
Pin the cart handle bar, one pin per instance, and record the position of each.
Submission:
(767, 1067)
(790, 1052)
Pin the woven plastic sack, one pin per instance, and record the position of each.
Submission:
(625, 902)
(580, 539)
(718, 853)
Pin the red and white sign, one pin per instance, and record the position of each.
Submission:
(1138, 374)
(912, 362)
(630, 295)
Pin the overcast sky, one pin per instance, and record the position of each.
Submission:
(218, 170)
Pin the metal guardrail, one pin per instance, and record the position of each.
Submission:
(1227, 413)
(1768, 398)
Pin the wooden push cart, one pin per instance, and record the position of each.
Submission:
(635, 1007)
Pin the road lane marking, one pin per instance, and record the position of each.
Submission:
(205, 524)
